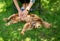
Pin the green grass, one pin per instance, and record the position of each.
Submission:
(12, 32)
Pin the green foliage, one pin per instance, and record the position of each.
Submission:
(50, 13)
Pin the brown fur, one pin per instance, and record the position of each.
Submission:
(31, 20)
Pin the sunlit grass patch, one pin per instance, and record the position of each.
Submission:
(28, 39)
(1, 39)
(2, 5)
(43, 39)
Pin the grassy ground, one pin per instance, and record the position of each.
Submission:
(12, 32)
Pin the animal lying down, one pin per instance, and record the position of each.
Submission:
(32, 21)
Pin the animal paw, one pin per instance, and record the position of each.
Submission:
(5, 19)
(7, 24)
(22, 33)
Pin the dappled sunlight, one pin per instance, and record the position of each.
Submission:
(42, 39)
(28, 39)
(2, 10)
(56, 3)
(19, 29)
(55, 6)
(14, 33)
(2, 6)
(52, 9)
(1, 39)
(45, 2)
(52, 39)
(9, 40)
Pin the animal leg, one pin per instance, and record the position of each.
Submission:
(11, 22)
(11, 16)
(26, 26)
(6, 19)
(7, 24)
